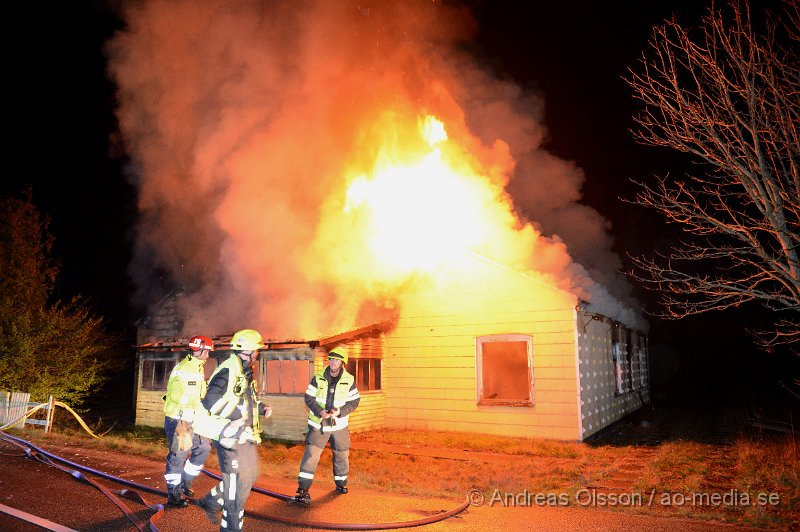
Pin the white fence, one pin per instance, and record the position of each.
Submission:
(17, 407)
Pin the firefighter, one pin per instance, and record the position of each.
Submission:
(331, 396)
(231, 417)
(185, 389)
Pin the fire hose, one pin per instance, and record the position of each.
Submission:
(40, 455)
(65, 406)
(34, 452)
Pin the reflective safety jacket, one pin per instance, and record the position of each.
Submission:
(231, 395)
(185, 389)
(345, 398)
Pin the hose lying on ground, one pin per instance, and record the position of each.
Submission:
(31, 451)
(262, 515)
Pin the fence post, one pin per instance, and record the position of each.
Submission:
(51, 409)
(19, 406)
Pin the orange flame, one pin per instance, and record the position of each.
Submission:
(418, 212)
(423, 200)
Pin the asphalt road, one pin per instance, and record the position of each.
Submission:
(55, 495)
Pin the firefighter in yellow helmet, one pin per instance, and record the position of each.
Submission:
(185, 389)
(231, 418)
(331, 397)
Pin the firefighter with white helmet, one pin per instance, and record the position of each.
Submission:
(185, 390)
(231, 418)
(331, 397)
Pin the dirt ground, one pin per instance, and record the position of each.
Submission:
(52, 494)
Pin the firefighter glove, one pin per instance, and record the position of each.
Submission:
(183, 435)
(247, 436)
(230, 434)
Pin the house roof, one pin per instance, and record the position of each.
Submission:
(355, 334)
(222, 342)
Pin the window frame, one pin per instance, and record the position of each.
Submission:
(374, 377)
(168, 371)
(300, 386)
(479, 364)
(619, 370)
(627, 335)
(641, 355)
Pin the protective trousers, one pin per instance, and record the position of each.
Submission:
(178, 468)
(315, 443)
(240, 470)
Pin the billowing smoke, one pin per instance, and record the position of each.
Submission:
(244, 119)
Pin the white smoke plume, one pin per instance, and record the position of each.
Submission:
(241, 117)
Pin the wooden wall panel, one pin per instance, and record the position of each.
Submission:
(150, 408)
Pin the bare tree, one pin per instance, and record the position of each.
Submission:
(730, 97)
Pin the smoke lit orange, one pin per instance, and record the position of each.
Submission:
(291, 182)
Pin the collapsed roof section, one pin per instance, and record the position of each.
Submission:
(223, 342)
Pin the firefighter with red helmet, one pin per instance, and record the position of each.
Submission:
(187, 451)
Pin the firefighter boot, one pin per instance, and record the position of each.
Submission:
(186, 487)
(212, 514)
(175, 497)
(341, 490)
(302, 497)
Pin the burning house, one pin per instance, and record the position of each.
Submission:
(491, 351)
(311, 172)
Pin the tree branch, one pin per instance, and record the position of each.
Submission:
(732, 99)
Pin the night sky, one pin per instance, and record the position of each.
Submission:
(574, 53)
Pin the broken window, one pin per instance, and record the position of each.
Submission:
(505, 370)
(622, 355)
(616, 350)
(367, 372)
(155, 373)
(284, 376)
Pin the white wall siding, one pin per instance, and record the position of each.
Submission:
(430, 357)
(600, 403)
